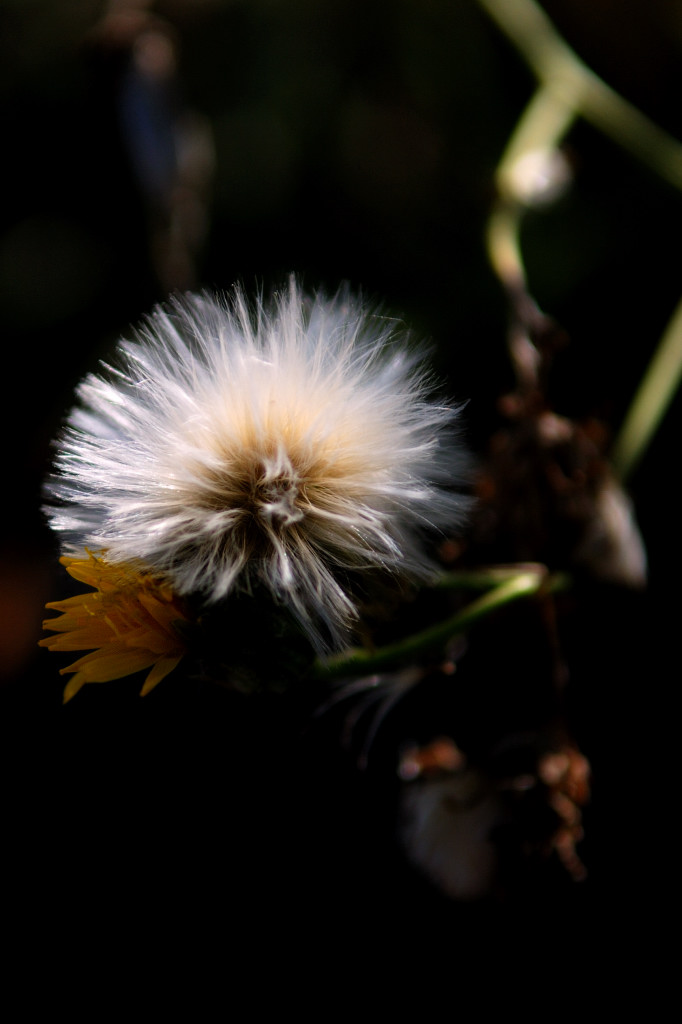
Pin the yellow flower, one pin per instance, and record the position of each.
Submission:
(128, 623)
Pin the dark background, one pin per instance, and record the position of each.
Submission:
(351, 141)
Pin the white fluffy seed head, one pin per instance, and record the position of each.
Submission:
(283, 445)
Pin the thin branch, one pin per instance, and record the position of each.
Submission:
(487, 577)
(363, 662)
(654, 394)
(553, 61)
(568, 89)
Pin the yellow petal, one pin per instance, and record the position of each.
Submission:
(100, 667)
(162, 668)
(78, 639)
(73, 686)
(127, 624)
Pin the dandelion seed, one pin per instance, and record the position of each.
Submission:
(289, 446)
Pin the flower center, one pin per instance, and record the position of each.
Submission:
(276, 496)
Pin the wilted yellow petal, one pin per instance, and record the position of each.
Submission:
(102, 666)
(127, 624)
(73, 686)
(159, 672)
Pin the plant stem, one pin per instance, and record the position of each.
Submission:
(651, 401)
(361, 662)
(487, 577)
(553, 61)
(569, 89)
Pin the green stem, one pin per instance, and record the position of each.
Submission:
(540, 129)
(490, 576)
(544, 123)
(568, 89)
(361, 662)
(651, 401)
(504, 244)
(553, 61)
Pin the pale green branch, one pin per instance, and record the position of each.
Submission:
(568, 89)
(364, 662)
(651, 401)
(580, 89)
(488, 576)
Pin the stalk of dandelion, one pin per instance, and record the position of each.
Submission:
(575, 86)
(651, 401)
(531, 172)
(502, 586)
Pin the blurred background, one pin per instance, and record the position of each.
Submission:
(150, 147)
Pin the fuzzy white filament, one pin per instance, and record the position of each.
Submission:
(286, 445)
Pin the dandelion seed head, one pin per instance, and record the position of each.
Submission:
(287, 445)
